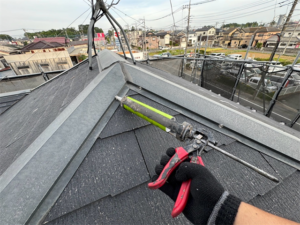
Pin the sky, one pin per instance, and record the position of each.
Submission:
(38, 15)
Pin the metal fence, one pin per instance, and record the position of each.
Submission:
(264, 87)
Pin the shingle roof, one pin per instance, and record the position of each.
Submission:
(88, 161)
(61, 40)
(179, 31)
(161, 34)
(203, 29)
(73, 43)
(41, 45)
(229, 30)
(250, 29)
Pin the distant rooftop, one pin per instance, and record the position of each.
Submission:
(61, 40)
(41, 45)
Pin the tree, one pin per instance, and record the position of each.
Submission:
(98, 30)
(259, 45)
(82, 57)
(132, 28)
(71, 31)
(83, 28)
(249, 24)
(5, 37)
(25, 43)
(272, 23)
(110, 33)
(107, 39)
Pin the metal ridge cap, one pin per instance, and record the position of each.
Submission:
(216, 110)
(34, 170)
(105, 54)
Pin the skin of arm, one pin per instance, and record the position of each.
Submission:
(250, 215)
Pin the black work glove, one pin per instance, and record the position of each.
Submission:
(205, 193)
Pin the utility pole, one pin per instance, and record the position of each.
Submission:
(217, 24)
(173, 22)
(283, 28)
(188, 28)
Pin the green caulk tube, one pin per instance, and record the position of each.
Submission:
(158, 118)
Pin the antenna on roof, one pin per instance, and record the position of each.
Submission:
(96, 10)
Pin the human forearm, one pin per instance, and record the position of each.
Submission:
(250, 215)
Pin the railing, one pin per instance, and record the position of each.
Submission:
(260, 86)
(290, 90)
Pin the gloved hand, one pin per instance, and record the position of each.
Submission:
(205, 191)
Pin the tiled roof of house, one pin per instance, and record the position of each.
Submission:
(82, 159)
(161, 34)
(74, 43)
(204, 29)
(229, 30)
(250, 29)
(41, 45)
(61, 40)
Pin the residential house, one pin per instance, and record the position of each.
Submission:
(179, 33)
(244, 35)
(237, 38)
(204, 31)
(134, 37)
(218, 36)
(192, 39)
(207, 32)
(164, 38)
(248, 33)
(183, 40)
(225, 37)
(289, 39)
(263, 34)
(78, 51)
(206, 41)
(43, 46)
(151, 41)
(40, 61)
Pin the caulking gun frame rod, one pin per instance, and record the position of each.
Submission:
(261, 172)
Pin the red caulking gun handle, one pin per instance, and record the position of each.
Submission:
(180, 155)
(183, 194)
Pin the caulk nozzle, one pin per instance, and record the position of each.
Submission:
(118, 98)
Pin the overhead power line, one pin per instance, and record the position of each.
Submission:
(120, 16)
(75, 20)
(235, 16)
(234, 11)
(179, 10)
